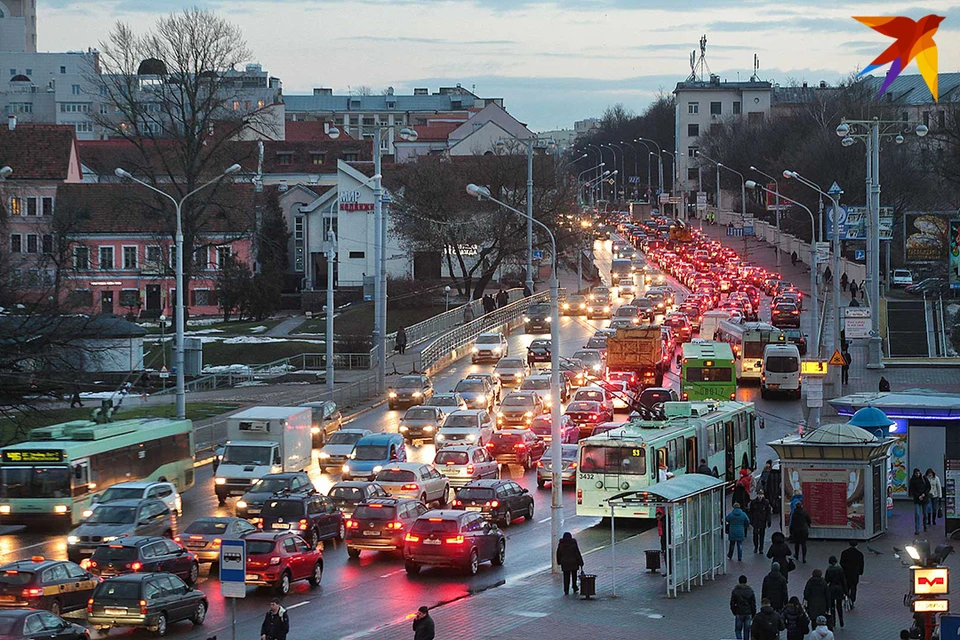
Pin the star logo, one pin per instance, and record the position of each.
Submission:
(914, 40)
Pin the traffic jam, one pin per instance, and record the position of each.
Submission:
(440, 491)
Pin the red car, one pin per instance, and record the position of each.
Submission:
(681, 327)
(587, 414)
(517, 446)
(569, 433)
(279, 559)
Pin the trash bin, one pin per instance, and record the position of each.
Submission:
(588, 585)
(653, 560)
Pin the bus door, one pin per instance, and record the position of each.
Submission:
(692, 454)
(611, 471)
(730, 442)
(751, 438)
(661, 461)
(81, 477)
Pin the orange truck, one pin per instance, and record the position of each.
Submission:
(638, 350)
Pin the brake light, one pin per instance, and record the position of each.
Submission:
(579, 496)
(457, 503)
(470, 468)
(303, 524)
(489, 445)
(574, 465)
(539, 463)
(259, 524)
(176, 539)
(32, 593)
(519, 445)
(456, 540)
(352, 524)
(91, 563)
(135, 566)
(492, 503)
(274, 560)
(90, 605)
(396, 526)
(449, 462)
(593, 416)
(216, 543)
(410, 487)
(412, 538)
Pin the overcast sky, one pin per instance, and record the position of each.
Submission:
(551, 62)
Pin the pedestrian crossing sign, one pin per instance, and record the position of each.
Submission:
(836, 359)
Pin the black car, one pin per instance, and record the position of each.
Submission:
(250, 504)
(315, 517)
(147, 601)
(55, 585)
(796, 337)
(539, 351)
(29, 624)
(498, 500)
(516, 446)
(347, 494)
(381, 524)
(537, 319)
(147, 554)
(453, 539)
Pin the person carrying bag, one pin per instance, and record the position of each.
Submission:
(570, 561)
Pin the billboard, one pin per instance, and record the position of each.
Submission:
(927, 236)
(954, 256)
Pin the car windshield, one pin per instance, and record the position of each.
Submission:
(568, 453)
(340, 437)
(347, 493)
(16, 577)
(206, 527)
(475, 493)
(541, 427)
(270, 485)
(509, 363)
(452, 457)
(785, 308)
(374, 512)
(396, 475)
(535, 383)
(408, 383)
(470, 386)
(283, 508)
(108, 514)
(121, 493)
(34, 482)
(110, 553)
(540, 344)
(517, 401)
(507, 438)
(782, 364)
(435, 525)
(259, 547)
(121, 589)
(370, 452)
(466, 420)
(587, 357)
(587, 394)
(445, 401)
(488, 340)
(626, 312)
(418, 413)
(246, 455)
(539, 310)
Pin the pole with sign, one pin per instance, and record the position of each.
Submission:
(233, 577)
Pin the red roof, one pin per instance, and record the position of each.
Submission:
(37, 152)
(309, 131)
(436, 131)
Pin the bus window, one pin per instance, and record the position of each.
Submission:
(81, 478)
(671, 455)
(731, 434)
(711, 440)
(629, 460)
(678, 447)
(592, 459)
(661, 458)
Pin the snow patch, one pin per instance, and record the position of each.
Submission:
(258, 329)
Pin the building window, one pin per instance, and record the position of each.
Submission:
(130, 298)
(736, 108)
(693, 130)
(29, 72)
(13, 72)
(317, 158)
(692, 152)
(75, 89)
(46, 208)
(716, 109)
(16, 206)
(33, 243)
(81, 258)
(693, 108)
(19, 107)
(236, 105)
(154, 256)
(714, 128)
(32, 209)
(941, 119)
(63, 69)
(299, 234)
(74, 107)
(104, 110)
(106, 258)
(129, 257)
(285, 157)
(693, 173)
(368, 122)
(47, 244)
(201, 258)
(223, 256)
(926, 118)
(16, 243)
(80, 298)
(357, 255)
(350, 157)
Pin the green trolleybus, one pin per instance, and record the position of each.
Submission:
(708, 372)
(54, 476)
(628, 458)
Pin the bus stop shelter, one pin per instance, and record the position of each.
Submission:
(693, 507)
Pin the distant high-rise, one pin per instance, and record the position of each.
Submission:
(18, 25)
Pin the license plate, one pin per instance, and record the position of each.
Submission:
(8, 599)
(474, 508)
(253, 511)
(277, 525)
(90, 550)
(418, 442)
(431, 542)
(251, 576)
(115, 612)
(371, 533)
(773, 386)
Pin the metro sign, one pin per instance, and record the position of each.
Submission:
(931, 581)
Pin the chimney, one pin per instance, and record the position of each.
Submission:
(11, 122)
(421, 91)
(823, 84)
(322, 91)
(282, 186)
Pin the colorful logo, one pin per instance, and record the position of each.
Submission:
(914, 39)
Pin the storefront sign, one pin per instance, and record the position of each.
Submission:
(927, 236)
(951, 481)
(833, 497)
(350, 201)
(856, 322)
(931, 582)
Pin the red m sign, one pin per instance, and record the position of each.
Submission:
(930, 582)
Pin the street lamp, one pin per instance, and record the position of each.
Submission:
(700, 154)
(776, 211)
(581, 186)
(556, 502)
(636, 165)
(659, 158)
(5, 172)
(623, 170)
(178, 242)
(446, 295)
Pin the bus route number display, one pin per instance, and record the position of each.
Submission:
(33, 455)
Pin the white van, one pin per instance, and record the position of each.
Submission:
(781, 370)
(711, 322)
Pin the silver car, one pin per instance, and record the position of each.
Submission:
(462, 464)
(421, 423)
(568, 466)
(204, 535)
(119, 519)
(339, 447)
(447, 402)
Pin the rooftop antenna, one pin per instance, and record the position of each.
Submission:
(699, 69)
(756, 66)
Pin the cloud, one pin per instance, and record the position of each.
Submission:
(429, 41)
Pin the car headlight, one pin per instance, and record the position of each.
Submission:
(481, 398)
(392, 394)
(220, 480)
(403, 427)
(596, 367)
(60, 508)
(324, 455)
(314, 430)
(4, 509)
(110, 538)
(526, 319)
(417, 394)
(377, 469)
(566, 305)
(583, 305)
(471, 437)
(428, 428)
(606, 309)
(345, 468)
(496, 350)
(549, 319)
(499, 414)
(241, 504)
(440, 436)
(528, 414)
(476, 350)
(86, 514)
(73, 539)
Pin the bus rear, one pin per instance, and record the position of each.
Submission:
(609, 465)
(708, 372)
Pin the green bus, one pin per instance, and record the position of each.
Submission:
(54, 477)
(708, 372)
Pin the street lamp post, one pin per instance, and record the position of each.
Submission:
(623, 170)
(777, 212)
(331, 257)
(700, 154)
(178, 242)
(556, 501)
(636, 166)
(659, 158)
(580, 185)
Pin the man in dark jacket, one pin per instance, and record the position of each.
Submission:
(276, 624)
(816, 595)
(704, 468)
(851, 560)
(502, 298)
(796, 620)
(760, 512)
(570, 561)
(919, 489)
(423, 628)
(800, 530)
(779, 551)
(838, 589)
(767, 624)
(743, 606)
(775, 588)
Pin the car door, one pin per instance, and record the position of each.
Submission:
(427, 484)
(178, 606)
(176, 559)
(33, 628)
(151, 557)
(56, 627)
(79, 585)
(478, 527)
(486, 427)
(294, 556)
(165, 494)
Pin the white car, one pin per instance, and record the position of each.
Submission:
(339, 446)
(622, 396)
(594, 394)
(473, 426)
(901, 278)
(490, 347)
(140, 490)
(462, 464)
(447, 402)
(414, 480)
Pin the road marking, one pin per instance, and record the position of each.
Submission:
(392, 573)
(299, 604)
(544, 520)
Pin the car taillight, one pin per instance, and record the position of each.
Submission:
(176, 539)
(396, 526)
(412, 538)
(90, 605)
(32, 593)
(492, 503)
(455, 540)
(593, 416)
(489, 445)
(216, 543)
(457, 503)
(579, 496)
(274, 560)
(519, 445)
(91, 563)
(134, 566)
(539, 463)
(259, 524)
(573, 465)
(410, 487)
(303, 524)
(352, 524)
(470, 468)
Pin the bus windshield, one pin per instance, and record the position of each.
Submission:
(619, 460)
(246, 455)
(34, 482)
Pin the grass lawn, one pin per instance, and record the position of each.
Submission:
(359, 321)
(218, 353)
(46, 417)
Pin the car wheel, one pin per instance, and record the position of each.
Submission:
(507, 518)
(501, 554)
(341, 531)
(353, 553)
(55, 607)
(444, 497)
(412, 568)
(194, 574)
(283, 585)
(763, 393)
(473, 563)
(162, 624)
(317, 575)
(529, 516)
(314, 538)
(423, 498)
(200, 614)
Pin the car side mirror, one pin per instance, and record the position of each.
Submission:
(525, 491)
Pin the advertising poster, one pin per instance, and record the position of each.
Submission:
(898, 466)
(833, 497)
(927, 236)
(951, 481)
(954, 257)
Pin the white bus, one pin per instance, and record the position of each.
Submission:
(748, 340)
(628, 458)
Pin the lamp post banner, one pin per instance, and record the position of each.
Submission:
(954, 264)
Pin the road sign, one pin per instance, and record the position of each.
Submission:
(611, 180)
(233, 569)
(814, 386)
(933, 581)
(949, 627)
(835, 189)
(931, 606)
(164, 374)
(856, 322)
(538, 254)
(836, 360)
(823, 252)
(749, 231)
(664, 198)
(735, 231)
(813, 367)
(860, 254)
(701, 197)
(633, 179)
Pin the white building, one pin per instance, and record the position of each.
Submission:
(18, 25)
(477, 135)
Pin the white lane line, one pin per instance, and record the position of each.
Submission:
(299, 604)
(392, 573)
(544, 520)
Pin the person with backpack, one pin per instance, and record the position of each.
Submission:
(767, 624)
(816, 596)
(795, 620)
(837, 582)
(743, 606)
(760, 515)
(851, 561)
(737, 524)
(775, 588)
(800, 531)
(779, 552)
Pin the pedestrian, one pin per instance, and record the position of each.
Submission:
(919, 489)
(761, 514)
(853, 289)
(775, 588)
(704, 468)
(884, 384)
(743, 606)
(793, 258)
(468, 313)
(276, 624)
(863, 292)
(737, 524)
(741, 488)
(75, 398)
(816, 596)
(570, 561)
(845, 369)
(843, 281)
(795, 620)
(936, 491)
(851, 561)
(853, 303)
(822, 632)
(800, 531)
(423, 628)
(780, 553)
(766, 481)
(526, 291)
(662, 531)
(502, 298)
(837, 581)
(488, 303)
(401, 340)
(827, 275)
(767, 624)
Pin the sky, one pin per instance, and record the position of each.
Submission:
(552, 62)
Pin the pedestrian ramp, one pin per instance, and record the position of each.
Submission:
(907, 333)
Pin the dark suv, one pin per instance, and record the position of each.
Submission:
(146, 554)
(381, 524)
(537, 319)
(453, 539)
(516, 446)
(117, 519)
(148, 601)
(250, 504)
(314, 517)
(497, 500)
